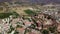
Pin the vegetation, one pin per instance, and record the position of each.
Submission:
(45, 32)
(14, 13)
(16, 32)
(20, 23)
(5, 15)
(52, 29)
(0, 33)
(29, 19)
(11, 29)
(27, 30)
(34, 22)
(29, 12)
(19, 26)
(33, 26)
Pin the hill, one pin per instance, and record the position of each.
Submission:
(33, 1)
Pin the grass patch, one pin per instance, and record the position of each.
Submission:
(5, 15)
(29, 12)
(14, 13)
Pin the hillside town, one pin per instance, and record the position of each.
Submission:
(26, 19)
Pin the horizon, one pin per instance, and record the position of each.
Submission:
(34, 1)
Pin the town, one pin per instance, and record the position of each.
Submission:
(24, 19)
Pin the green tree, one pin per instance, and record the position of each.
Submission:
(11, 29)
(16, 32)
(27, 30)
(52, 29)
(45, 32)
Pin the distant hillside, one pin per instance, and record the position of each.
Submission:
(34, 1)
